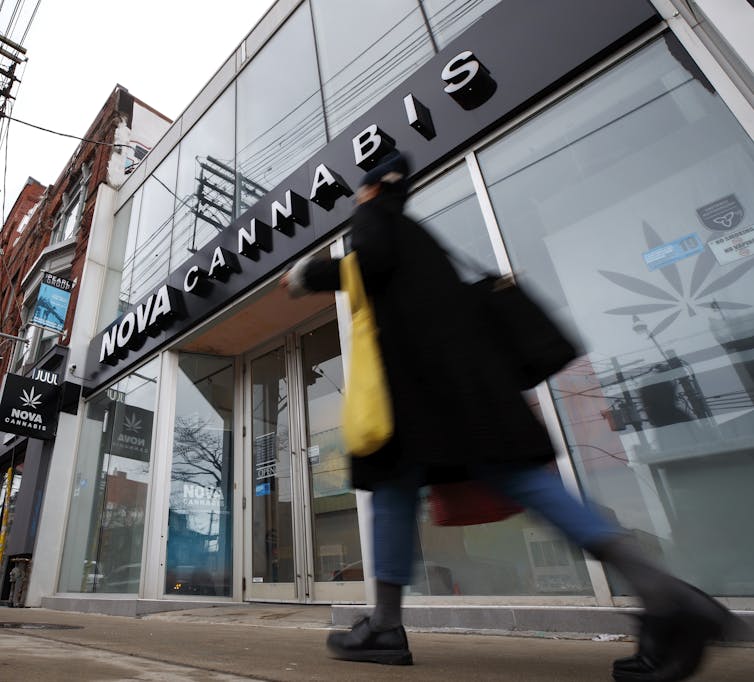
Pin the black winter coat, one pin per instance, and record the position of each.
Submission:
(455, 402)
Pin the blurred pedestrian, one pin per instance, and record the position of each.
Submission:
(459, 415)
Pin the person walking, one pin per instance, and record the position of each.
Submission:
(459, 415)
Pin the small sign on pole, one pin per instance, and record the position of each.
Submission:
(52, 302)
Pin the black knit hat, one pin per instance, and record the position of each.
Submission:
(391, 172)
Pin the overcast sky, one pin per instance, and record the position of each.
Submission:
(163, 51)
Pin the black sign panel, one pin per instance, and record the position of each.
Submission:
(29, 407)
(514, 55)
(130, 432)
(723, 214)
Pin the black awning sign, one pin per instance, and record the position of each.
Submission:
(29, 407)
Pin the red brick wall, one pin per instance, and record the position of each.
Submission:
(20, 257)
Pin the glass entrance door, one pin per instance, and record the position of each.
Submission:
(305, 543)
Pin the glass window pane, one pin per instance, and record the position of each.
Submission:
(206, 180)
(519, 556)
(449, 209)
(623, 206)
(200, 521)
(119, 267)
(152, 251)
(271, 511)
(365, 50)
(105, 534)
(449, 18)
(71, 219)
(499, 558)
(337, 547)
(280, 122)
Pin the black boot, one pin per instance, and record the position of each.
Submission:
(678, 623)
(361, 643)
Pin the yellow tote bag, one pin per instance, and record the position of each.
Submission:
(367, 410)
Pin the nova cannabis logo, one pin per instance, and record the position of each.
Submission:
(132, 424)
(31, 399)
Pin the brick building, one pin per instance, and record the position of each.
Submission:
(48, 230)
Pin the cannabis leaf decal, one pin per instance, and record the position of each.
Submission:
(679, 297)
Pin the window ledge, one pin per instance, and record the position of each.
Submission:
(54, 258)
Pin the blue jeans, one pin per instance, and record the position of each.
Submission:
(537, 488)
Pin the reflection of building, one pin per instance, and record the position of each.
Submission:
(622, 124)
(736, 336)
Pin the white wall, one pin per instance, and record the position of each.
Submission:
(52, 525)
(734, 20)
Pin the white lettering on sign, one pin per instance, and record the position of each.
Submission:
(191, 279)
(45, 376)
(26, 418)
(153, 313)
(218, 261)
(466, 80)
(322, 178)
(460, 71)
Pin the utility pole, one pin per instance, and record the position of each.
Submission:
(11, 55)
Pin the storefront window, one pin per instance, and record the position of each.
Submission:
(627, 207)
(119, 269)
(279, 121)
(151, 255)
(519, 556)
(271, 510)
(337, 546)
(448, 18)
(448, 208)
(200, 521)
(103, 544)
(128, 218)
(206, 180)
(365, 49)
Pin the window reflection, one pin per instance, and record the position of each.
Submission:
(448, 18)
(449, 209)
(271, 512)
(279, 121)
(118, 277)
(151, 255)
(337, 546)
(199, 546)
(206, 194)
(612, 203)
(519, 556)
(365, 50)
(105, 534)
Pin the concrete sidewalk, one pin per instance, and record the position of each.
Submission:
(272, 642)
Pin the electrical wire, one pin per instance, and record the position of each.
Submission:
(31, 20)
(74, 137)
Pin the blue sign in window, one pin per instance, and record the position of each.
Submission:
(660, 256)
(262, 489)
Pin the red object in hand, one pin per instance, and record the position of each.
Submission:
(468, 503)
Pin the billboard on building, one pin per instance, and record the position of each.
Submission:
(29, 406)
(52, 302)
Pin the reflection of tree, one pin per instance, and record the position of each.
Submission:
(197, 451)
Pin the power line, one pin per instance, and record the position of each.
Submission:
(75, 137)
(31, 20)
